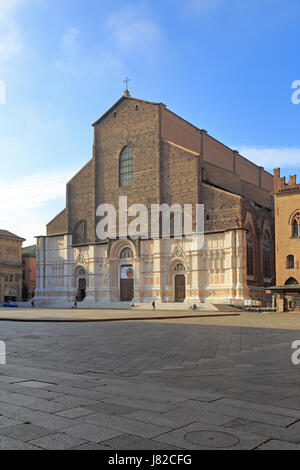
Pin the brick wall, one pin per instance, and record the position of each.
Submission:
(59, 224)
(135, 124)
(81, 202)
(222, 209)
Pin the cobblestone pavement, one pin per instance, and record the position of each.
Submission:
(180, 384)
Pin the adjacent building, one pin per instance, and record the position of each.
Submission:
(287, 230)
(10, 266)
(29, 271)
(145, 152)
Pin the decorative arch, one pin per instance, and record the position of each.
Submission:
(80, 282)
(126, 167)
(179, 268)
(250, 252)
(177, 261)
(291, 282)
(79, 271)
(121, 245)
(266, 250)
(250, 224)
(295, 215)
(295, 223)
(126, 253)
(117, 262)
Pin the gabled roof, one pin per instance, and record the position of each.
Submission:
(124, 97)
(7, 234)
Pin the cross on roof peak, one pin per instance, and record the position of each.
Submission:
(127, 80)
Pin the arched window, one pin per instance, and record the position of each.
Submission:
(266, 255)
(250, 254)
(126, 168)
(291, 282)
(290, 262)
(179, 267)
(296, 226)
(126, 253)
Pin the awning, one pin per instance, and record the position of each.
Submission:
(293, 287)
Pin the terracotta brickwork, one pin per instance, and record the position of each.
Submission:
(59, 224)
(179, 176)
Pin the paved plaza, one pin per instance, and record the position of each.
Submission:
(193, 383)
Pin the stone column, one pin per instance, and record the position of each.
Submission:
(91, 274)
(137, 280)
(156, 290)
(69, 270)
(195, 274)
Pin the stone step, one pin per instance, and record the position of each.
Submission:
(180, 306)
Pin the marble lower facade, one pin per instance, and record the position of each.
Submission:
(143, 271)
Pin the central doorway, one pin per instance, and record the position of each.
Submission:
(127, 284)
(81, 295)
(180, 293)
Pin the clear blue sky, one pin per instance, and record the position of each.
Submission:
(225, 65)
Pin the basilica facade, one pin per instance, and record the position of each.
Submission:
(152, 156)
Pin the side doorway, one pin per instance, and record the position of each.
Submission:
(126, 283)
(180, 288)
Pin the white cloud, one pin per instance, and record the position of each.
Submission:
(133, 31)
(272, 157)
(27, 198)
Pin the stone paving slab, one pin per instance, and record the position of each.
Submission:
(125, 425)
(129, 442)
(5, 422)
(24, 432)
(90, 446)
(58, 441)
(39, 418)
(75, 412)
(274, 432)
(12, 444)
(92, 433)
(275, 444)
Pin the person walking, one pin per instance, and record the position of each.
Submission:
(154, 305)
